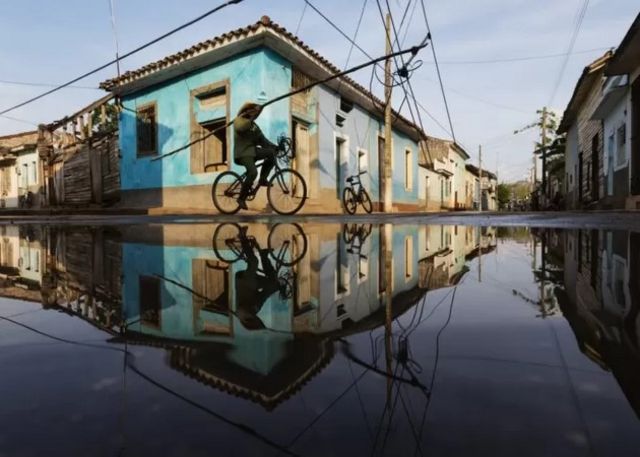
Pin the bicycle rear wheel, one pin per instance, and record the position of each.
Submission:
(288, 243)
(349, 200)
(288, 191)
(365, 200)
(226, 191)
(226, 242)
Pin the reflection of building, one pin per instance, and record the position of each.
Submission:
(165, 286)
(600, 301)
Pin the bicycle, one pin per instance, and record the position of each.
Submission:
(355, 194)
(286, 193)
(287, 245)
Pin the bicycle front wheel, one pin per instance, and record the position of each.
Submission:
(288, 191)
(226, 191)
(349, 200)
(226, 242)
(288, 243)
(365, 200)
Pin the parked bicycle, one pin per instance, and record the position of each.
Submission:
(286, 193)
(355, 194)
(287, 245)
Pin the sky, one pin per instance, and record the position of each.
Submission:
(52, 42)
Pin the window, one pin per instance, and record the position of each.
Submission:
(621, 141)
(382, 247)
(408, 257)
(146, 130)
(209, 116)
(342, 272)
(34, 172)
(588, 173)
(408, 169)
(211, 297)
(363, 160)
(150, 302)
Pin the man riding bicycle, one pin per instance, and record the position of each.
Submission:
(250, 145)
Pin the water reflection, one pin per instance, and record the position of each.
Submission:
(322, 339)
(592, 277)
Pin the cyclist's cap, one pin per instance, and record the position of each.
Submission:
(250, 106)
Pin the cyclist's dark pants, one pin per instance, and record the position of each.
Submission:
(252, 171)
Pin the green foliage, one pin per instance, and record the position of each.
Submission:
(503, 194)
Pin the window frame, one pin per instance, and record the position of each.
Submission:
(139, 108)
(199, 93)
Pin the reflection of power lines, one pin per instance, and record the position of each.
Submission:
(131, 366)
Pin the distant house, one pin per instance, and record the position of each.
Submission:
(20, 171)
(442, 175)
(584, 144)
(80, 157)
(337, 127)
(481, 191)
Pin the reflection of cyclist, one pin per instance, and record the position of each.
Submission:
(250, 145)
(252, 287)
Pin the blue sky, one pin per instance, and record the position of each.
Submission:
(51, 42)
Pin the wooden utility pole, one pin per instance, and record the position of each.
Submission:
(387, 199)
(543, 144)
(480, 177)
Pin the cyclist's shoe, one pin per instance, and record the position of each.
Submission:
(242, 204)
(264, 183)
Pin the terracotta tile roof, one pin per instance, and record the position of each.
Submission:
(19, 139)
(264, 25)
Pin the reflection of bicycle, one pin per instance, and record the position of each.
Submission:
(286, 193)
(356, 234)
(287, 245)
(355, 194)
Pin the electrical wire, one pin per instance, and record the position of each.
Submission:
(435, 59)
(572, 41)
(521, 59)
(34, 84)
(124, 56)
(412, 50)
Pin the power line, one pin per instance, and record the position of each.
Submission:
(15, 119)
(124, 56)
(572, 41)
(34, 84)
(412, 50)
(435, 59)
(520, 59)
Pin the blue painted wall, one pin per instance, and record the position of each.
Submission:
(258, 75)
(360, 131)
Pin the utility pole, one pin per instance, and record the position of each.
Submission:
(543, 143)
(387, 201)
(480, 177)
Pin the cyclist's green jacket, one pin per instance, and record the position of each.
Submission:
(246, 136)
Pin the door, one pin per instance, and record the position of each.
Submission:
(635, 137)
(580, 186)
(301, 147)
(610, 153)
(380, 171)
(595, 167)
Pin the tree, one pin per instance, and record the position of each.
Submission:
(504, 194)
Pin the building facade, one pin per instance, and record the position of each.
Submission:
(180, 105)
(601, 124)
(21, 184)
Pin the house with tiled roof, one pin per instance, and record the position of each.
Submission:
(21, 182)
(178, 104)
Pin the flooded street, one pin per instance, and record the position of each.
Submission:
(318, 339)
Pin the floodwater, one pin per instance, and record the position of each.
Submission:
(318, 340)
